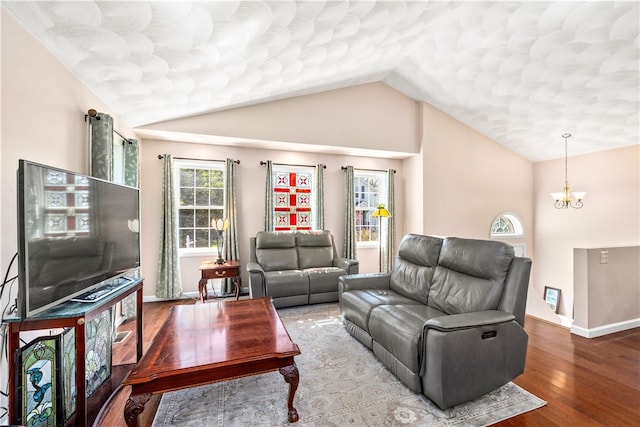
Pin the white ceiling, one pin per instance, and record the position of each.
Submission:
(522, 73)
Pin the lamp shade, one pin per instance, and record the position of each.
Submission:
(381, 212)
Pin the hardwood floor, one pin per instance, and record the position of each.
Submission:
(586, 382)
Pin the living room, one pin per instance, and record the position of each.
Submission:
(451, 180)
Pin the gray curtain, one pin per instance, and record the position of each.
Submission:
(268, 198)
(131, 163)
(168, 284)
(349, 248)
(230, 249)
(102, 166)
(101, 146)
(388, 243)
(319, 208)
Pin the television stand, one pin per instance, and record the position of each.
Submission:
(72, 314)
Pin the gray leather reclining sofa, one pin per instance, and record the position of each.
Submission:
(448, 320)
(296, 268)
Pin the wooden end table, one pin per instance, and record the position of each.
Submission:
(210, 270)
(206, 343)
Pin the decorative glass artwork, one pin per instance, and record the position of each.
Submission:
(69, 372)
(38, 383)
(68, 201)
(292, 200)
(99, 339)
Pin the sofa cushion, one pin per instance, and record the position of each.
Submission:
(323, 279)
(276, 251)
(315, 249)
(414, 266)
(286, 283)
(398, 328)
(356, 305)
(470, 275)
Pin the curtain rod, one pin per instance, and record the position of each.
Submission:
(160, 157)
(262, 163)
(94, 115)
(344, 168)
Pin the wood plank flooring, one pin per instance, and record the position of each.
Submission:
(586, 382)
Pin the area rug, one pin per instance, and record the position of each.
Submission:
(341, 384)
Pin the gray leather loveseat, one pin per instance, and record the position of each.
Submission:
(448, 320)
(296, 268)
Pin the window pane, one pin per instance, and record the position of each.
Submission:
(186, 197)
(217, 179)
(186, 177)
(186, 238)
(186, 217)
(217, 196)
(202, 197)
(202, 218)
(202, 238)
(202, 177)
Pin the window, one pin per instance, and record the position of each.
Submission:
(506, 225)
(370, 189)
(200, 199)
(293, 198)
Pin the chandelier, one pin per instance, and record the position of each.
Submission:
(566, 198)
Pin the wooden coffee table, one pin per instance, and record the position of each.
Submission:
(206, 343)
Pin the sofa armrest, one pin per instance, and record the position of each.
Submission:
(363, 281)
(456, 322)
(257, 285)
(351, 266)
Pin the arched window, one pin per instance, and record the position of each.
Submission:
(508, 226)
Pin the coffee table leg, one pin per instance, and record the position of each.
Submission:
(134, 407)
(292, 377)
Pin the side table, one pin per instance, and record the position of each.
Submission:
(210, 270)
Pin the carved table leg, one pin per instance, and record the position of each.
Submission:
(134, 407)
(292, 377)
(202, 290)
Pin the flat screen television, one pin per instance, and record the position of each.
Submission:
(75, 233)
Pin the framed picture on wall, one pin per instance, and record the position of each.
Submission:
(552, 297)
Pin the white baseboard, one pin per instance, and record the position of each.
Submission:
(565, 321)
(606, 329)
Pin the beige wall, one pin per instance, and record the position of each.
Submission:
(610, 216)
(607, 290)
(250, 187)
(370, 116)
(468, 180)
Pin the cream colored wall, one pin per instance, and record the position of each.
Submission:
(371, 116)
(250, 187)
(606, 293)
(610, 216)
(43, 107)
(469, 179)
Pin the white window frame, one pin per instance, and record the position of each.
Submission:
(381, 176)
(179, 164)
(518, 232)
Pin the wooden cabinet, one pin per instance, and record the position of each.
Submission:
(76, 315)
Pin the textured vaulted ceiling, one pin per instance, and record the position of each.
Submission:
(521, 73)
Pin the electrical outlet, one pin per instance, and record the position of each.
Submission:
(604, 257)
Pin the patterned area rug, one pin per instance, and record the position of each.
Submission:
(341, 384)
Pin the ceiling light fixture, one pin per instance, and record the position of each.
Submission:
(566, 198)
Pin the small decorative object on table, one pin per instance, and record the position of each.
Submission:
(552, 297)
(220, 226)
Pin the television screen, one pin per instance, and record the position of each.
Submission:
(75, 233)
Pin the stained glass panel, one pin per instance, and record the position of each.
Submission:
(98, 348)
(69, 372)
(38, 383)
